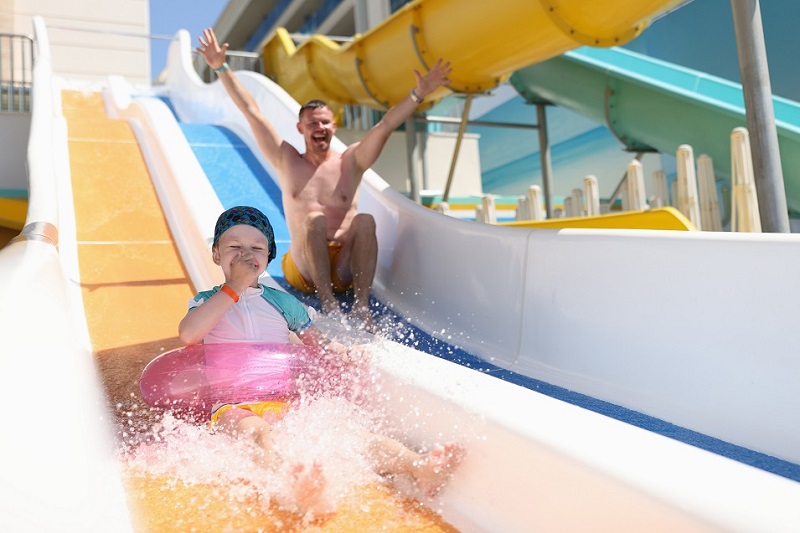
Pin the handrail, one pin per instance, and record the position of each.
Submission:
(237, 60)
(16, 72)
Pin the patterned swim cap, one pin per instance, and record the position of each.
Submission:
(249, 216)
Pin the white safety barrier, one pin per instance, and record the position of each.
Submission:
(745, 215)
(535, 203)
(688, 203)
(709, 202)
(636, 198)
(577, 202)
(660, 190)
(487, 211)
(592, 191)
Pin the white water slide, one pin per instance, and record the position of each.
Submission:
(694, 329)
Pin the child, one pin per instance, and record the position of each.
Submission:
(244, 310)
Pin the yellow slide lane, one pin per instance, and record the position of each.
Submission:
(135, 292)
(485, 41)
(134, 287)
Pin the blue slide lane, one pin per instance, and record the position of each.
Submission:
(239, 179)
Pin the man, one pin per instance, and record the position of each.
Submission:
(333, 246)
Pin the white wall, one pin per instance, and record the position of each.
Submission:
(89, 39)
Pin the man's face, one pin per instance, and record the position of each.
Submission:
(317, 127)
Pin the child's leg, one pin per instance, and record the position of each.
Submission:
(240, 422)
(308, 489)
(308, 483)
(429, 470)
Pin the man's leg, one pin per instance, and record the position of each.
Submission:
(363, 258)
(318, 261)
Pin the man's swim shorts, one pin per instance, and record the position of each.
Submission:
(296, 280)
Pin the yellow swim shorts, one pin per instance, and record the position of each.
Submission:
(257, 408)
(295, 278)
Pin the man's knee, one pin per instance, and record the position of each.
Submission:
(364, 224)
(316, 222)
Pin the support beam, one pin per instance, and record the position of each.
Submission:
(760, 116)
(544, 155)
(461, 129)
(412, 156)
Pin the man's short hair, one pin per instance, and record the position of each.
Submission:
(312, 104)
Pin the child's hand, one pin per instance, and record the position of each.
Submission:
(244, 269)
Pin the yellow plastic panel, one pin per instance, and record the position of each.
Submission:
(665, 218)
(13, 212)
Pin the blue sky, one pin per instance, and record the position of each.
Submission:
(169, 16)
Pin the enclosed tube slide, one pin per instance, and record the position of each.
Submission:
(652, 104)
(485, 43)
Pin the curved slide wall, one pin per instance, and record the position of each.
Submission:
(651, 103)
(422, 259)
(648, 320)
(376, 68)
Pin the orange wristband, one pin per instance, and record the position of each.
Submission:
(230, 292)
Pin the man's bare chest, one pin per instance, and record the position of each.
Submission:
(329, 184)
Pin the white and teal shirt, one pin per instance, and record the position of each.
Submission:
(262, 314)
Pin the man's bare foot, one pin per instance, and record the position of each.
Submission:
(308, 489)
(433, 469)
(330, 305)
(363, 315)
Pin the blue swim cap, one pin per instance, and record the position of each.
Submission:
(249, 216)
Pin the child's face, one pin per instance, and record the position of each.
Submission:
(239, 247)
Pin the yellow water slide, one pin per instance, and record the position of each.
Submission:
(485, 42)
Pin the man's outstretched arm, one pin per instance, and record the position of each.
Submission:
(368, 150)
(267, 137)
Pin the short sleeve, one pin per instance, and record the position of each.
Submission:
(293, 311)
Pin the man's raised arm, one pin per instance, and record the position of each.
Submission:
(368, 150)
(267, 137)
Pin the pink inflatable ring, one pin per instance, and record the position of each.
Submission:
(196, 377)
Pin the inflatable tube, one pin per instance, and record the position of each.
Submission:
(196, 377)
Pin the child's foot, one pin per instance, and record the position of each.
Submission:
(433, 469)
(308, 488)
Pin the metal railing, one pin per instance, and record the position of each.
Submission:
(237, 60)
(16, 72)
